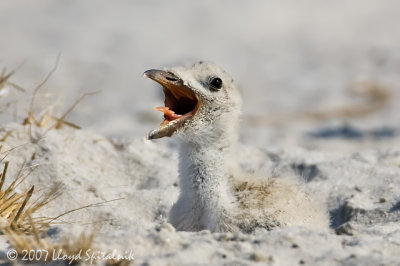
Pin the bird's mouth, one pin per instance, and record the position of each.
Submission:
(180, 102)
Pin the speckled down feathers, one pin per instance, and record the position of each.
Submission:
(214, 193)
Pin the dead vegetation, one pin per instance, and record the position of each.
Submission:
(43, 248)
(15, 208)
(18, 222)
(46, 118)
(5, 85)
(28, 233)
(373, 97)
(5, 80)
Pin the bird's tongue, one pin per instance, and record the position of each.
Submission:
(169, 114)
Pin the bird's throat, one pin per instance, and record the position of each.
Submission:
(205, 180)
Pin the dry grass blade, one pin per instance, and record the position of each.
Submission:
(17, 180)
(47, 198)
(4, 79)
(61, 120)
(47, 116)
(83, 207)
(120, 262)
(16, 86)
(15, 208)
(31, 119)
(7, 152)
(8, 133)
(67, 250)
(38, 87)
(374, 95)
(21, 208)
(3, 175)
(5, 85)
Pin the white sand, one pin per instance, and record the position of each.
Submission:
(93, 169)
(286, 57)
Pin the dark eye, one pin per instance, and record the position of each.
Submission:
(215, 83)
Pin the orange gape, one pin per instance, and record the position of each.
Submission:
(169, 114)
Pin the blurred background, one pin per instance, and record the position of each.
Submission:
(320, 69)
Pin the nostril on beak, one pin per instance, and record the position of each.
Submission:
(171, 76)
(171, 79)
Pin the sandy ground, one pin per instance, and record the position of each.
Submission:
(296, 63)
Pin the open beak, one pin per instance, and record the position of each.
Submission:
(180, 102)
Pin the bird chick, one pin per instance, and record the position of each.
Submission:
(202, 108)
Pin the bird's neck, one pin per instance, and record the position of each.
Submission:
(205, 174)
(205, 166)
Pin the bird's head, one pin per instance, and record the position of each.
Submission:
(200, 101)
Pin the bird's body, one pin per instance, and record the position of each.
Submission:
(203, 109)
